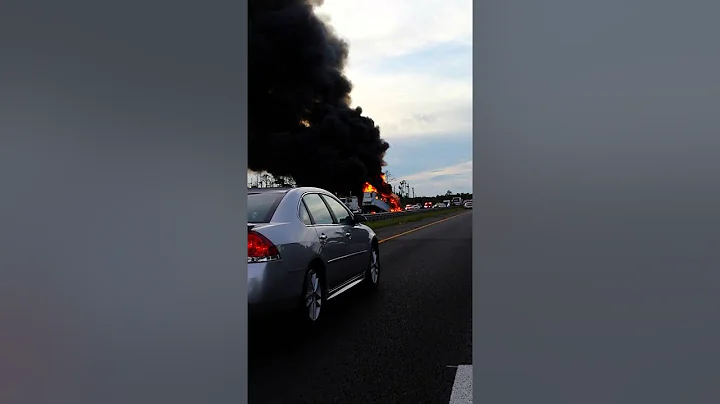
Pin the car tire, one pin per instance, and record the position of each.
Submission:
(372, 273)
(313, 298)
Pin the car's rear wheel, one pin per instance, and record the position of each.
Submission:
(372, 274)
(313, 297)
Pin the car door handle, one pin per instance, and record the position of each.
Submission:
(348, 234)
(323, 237)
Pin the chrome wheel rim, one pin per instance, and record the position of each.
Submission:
(374, 267)
(313, 295)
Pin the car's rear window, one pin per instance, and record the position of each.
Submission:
(262, 205)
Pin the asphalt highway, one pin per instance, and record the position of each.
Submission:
(401, 344)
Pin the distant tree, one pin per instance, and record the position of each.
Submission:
(448, 193)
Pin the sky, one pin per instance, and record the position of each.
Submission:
(412, 74)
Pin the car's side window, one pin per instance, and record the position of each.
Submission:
(304, 214)
(318, 209)
(342, 214)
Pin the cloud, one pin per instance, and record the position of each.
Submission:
(414, 105)
(408, 156)
(380, 29)
(456, 178)
(412, 72)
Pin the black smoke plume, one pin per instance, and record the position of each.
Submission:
(300, 121)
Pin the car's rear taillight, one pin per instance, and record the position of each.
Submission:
(261, 249)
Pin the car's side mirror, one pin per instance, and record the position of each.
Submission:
(360, 218)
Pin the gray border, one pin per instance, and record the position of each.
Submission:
(595, 217)
(242, 48)
(479, 199)
(122, 152)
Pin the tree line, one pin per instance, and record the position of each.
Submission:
(265, 180)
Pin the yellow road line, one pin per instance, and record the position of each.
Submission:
(421, 227)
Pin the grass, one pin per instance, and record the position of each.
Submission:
(412, 218)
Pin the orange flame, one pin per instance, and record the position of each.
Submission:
(392, 199)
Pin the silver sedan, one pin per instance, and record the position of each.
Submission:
(305, 247)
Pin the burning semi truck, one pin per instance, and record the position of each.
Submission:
(376, 202)
(373, 201)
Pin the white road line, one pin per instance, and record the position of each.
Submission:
(462, 392)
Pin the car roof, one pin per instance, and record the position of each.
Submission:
(289, 190)
(268, 190)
